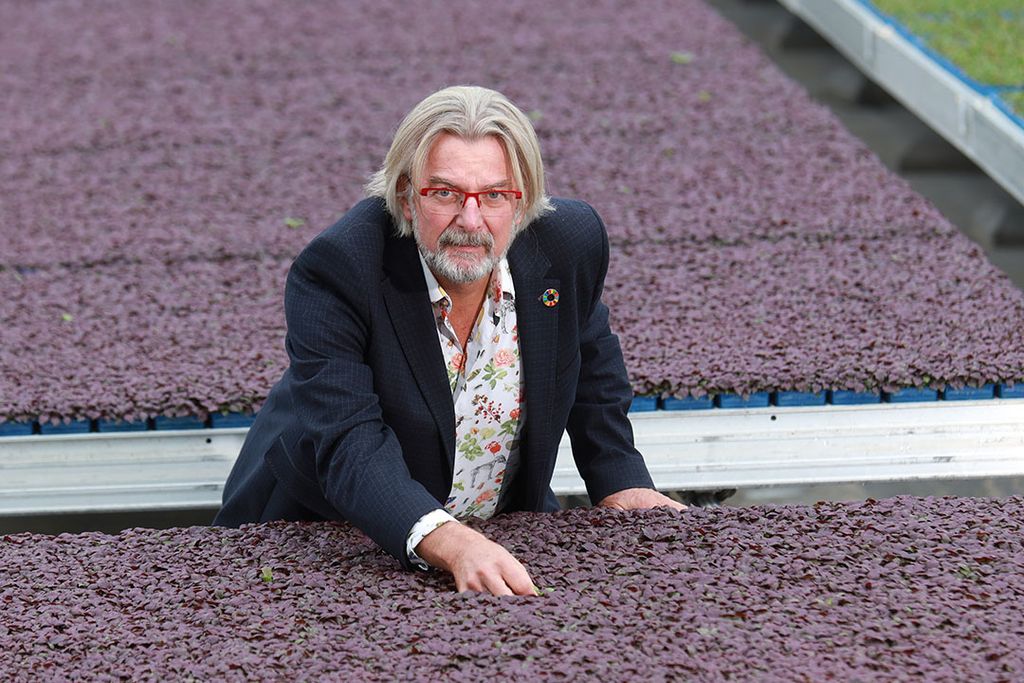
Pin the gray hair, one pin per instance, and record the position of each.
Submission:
(469, 112)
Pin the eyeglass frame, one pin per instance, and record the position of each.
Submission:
(518, 194)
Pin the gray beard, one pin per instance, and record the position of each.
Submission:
(447, 268)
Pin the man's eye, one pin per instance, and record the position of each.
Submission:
(442, 194)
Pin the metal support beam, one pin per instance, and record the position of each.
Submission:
(719, 449)
(708, 449)
(121, 471)
(967, 118)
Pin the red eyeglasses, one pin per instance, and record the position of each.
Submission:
(448, 201)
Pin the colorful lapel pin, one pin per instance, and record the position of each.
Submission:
(549, 297)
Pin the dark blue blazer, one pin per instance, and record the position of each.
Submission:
(361, 426)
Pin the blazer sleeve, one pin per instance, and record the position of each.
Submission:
(598, 426)
(359, 463)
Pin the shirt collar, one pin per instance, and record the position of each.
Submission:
(434, 289)
(436, 292)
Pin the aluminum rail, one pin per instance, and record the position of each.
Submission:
(696, 450)
(960, 113)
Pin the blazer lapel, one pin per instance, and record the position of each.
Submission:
(538, 337)
(405, 295)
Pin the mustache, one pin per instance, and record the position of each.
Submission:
(453, 237)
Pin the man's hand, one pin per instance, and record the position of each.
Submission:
(477, 563)
(639, 499)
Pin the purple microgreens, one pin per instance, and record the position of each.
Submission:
(903, 588)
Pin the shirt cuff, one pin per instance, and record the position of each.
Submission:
(419, 531)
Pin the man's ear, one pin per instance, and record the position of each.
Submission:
(403, 197)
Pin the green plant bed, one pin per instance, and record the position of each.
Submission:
(983, 37)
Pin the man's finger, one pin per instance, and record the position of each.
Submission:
(473, 583)
(518, 579)
(672, 503)
(495, 584)
(521, 585)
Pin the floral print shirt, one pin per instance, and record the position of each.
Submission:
(487, 393)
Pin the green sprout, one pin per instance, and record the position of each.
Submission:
(966, 572)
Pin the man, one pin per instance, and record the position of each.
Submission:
(442, 336)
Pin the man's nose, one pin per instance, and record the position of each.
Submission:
(469, 216)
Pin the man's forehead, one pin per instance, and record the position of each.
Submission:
(440, 180)
(452, 157)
